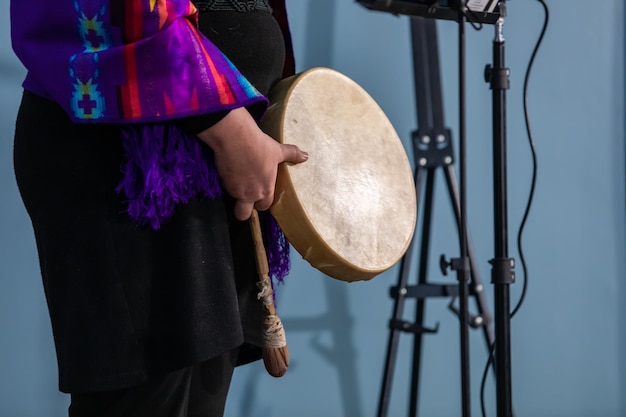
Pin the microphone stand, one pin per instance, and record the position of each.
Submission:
(497, 75)
(463, 265)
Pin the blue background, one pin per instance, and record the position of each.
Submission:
(568, 339)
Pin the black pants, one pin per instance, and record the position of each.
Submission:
(197, 391)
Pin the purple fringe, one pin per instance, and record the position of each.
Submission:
(164, 167)
(278, 247)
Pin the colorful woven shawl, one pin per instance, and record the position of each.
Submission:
(138, 64)
(124, 61)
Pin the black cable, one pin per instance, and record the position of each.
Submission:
(531, 143)
(530, 197)
(469, 14)
(472, 19)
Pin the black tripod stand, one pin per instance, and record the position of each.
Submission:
(432, 149)
(432, 154)
(431, 145)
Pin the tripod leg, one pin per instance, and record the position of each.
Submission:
(419, 311)
(477, 286)
(398, 310)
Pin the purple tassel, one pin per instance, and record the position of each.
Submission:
(166, 166)
(278, 247)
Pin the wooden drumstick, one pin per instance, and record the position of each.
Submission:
(275, 351)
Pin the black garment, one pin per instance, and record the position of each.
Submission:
(252, 41)
(127, 302)
(234, 5)
(196, 391)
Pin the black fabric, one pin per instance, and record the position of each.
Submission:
(127, 302)
(253, 41)
(196, 391)
(235, 5)
(196, 124)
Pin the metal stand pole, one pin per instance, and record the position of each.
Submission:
(502, 266)
(464, 267)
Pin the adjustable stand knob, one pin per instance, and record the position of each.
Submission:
(444, 264)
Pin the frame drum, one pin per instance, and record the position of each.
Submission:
(350, 210)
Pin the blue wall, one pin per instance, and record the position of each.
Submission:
(567, 338)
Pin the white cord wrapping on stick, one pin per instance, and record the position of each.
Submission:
(275, 351)
(274, 334)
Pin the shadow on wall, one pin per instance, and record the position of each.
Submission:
(341, 354)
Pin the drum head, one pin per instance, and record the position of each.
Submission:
(350, 210)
